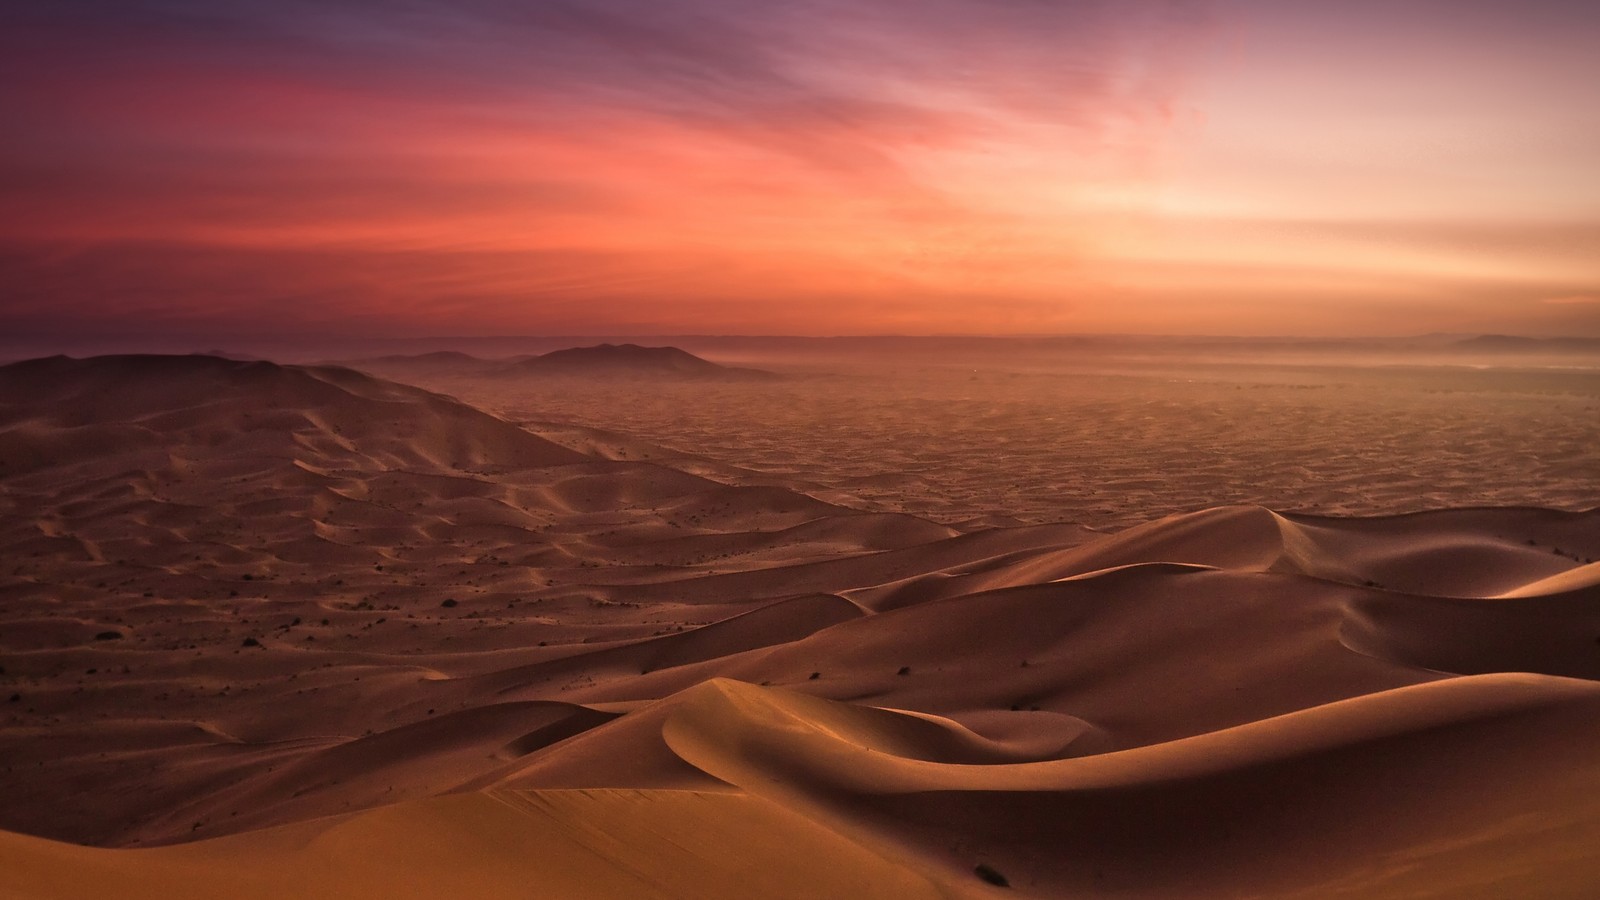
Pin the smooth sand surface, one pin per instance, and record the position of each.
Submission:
(273, 631)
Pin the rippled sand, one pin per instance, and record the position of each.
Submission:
(283, 631)
(1112, 449)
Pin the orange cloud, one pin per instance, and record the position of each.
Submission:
(706, 165)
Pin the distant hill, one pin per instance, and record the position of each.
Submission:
(631, 360)
(132, 412)
(441, 362)
(1514, 344)
(437, 358)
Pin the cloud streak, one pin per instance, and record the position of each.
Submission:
(813, 165)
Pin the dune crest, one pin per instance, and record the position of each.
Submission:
(362, 639)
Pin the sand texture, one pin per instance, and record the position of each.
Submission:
(1109, 442)
(299, 631)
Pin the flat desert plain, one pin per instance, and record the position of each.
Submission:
(867, 625)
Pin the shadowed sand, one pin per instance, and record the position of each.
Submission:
(298, 631)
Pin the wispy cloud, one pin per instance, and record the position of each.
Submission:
(621, 134)
(865, 164)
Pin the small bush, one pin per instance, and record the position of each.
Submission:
(990, 874)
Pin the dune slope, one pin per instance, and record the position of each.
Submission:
(297, 631)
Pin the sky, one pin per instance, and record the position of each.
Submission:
(810, 167)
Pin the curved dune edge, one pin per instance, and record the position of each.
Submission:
(740, 732)
(1555, 634)
(309, 633)
(1400, 793)
(1466, 553)
(1453, 788)
(528, 845)
(1576, 579)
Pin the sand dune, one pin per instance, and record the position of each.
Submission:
(611, 844)
(1100, 437)
(298, 631)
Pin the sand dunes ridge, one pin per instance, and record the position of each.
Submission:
(298, 631)
(878, 790)
(65, 411)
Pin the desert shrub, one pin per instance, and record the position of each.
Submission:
(991, 874)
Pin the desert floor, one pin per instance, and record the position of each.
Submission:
(884, 627)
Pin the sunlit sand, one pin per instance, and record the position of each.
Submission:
(859, 626)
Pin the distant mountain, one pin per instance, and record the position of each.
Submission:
(631, 360)
(438, 362)
(437, 358)
(1515, 344)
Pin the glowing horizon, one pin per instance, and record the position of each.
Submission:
(817, 167)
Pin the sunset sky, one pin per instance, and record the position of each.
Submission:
(480, 167)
